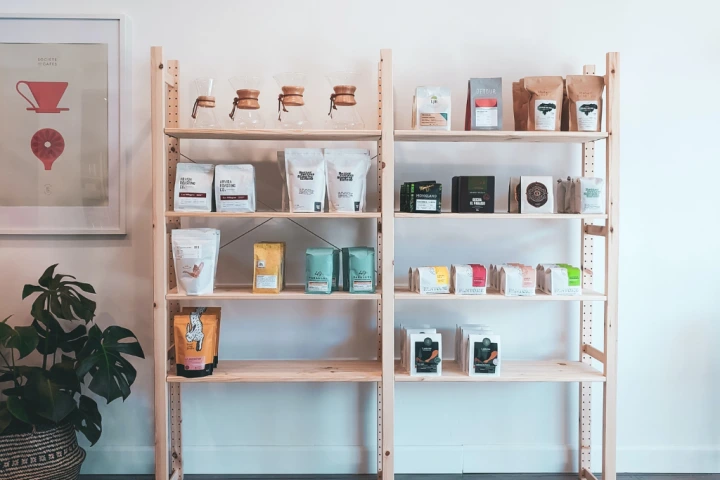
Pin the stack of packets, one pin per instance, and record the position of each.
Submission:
(513, 279)
(322, 270)
(421, 197)
(421, 351)
(196, 331)
(269, 267)
(478, 350)
(461, 280)
(559, 279)
(581, 195)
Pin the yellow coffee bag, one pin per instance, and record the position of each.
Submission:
(195, 343)
(269, 269)
(208, 312)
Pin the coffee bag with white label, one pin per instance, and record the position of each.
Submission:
(305, 173)
(319, 270)
(585, 102)
(269, 271)
(545, 102)
(468, 279)
(193, 187)
(431, 280)
(359, 269)
(588, 195)
(517, 281)
(195, 254)
(347, 170)
(235, 188)
(431, 108)
(484, 104)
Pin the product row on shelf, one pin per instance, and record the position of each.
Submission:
(509, 279)
(526, 195)
(195, 257)
(550, 103)
(308, 172)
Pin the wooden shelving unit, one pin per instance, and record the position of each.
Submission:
(166, 138)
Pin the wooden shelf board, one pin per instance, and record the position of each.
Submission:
(275, 135)
(272, 215)
(514, 216)
(403, 293)
(271, 371)
(498, 136)
(291, 292)
(514, 371)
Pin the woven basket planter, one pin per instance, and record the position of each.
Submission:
(51, 453)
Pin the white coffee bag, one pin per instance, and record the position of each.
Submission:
(305, 173)
(235, 188)
(347, 170)
(431, 280)
(193, 187)
(536, 194)
(468, 279)
(195, 254)
(517, 281)
(589, 195)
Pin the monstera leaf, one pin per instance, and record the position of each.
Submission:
(102, 358)
(22, 339)
(61, 297)
(5, 417)
(49, 399)
(87, 419)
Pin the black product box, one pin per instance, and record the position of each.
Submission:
(421, 197)
(473, 194)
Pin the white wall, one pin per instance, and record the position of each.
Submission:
(669, 307)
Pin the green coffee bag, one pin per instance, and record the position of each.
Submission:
(359, 269)
(319, 270)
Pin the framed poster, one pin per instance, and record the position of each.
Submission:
(64, 124)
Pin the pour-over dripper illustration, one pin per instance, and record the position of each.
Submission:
(47, 145)
(47, 95)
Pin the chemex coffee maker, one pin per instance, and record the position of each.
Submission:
(46, 144)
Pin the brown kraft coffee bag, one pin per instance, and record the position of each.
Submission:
(520, 105)
(585, 98)
(545, 103)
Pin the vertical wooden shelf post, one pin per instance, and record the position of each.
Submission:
(612, 76)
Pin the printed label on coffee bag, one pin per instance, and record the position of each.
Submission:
(587, 113)
(545, 114)
(537, 194)
(191, 251)
(425, 205)
(486, 117)
(433, 119)
(267, 281)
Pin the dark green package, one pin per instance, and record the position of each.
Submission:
(318, 270)
(336, 270)
(359, 269)
(421, 197)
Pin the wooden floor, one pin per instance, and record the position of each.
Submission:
(491, 476)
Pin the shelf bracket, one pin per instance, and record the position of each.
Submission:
(594, 352)
(598, 230)
(169, 79)
(587, 475)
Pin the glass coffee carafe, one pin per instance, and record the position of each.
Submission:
(291, 113)
(343, 113)
(203, 112)
(245, 112)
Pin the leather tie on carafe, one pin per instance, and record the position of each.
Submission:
(205, 101)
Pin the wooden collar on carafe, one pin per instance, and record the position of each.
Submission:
(247, 99)
(344, 96)
(205, 101)
(292, 96)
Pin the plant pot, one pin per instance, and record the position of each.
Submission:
(50, 453)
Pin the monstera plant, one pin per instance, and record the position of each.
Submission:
(75, 356)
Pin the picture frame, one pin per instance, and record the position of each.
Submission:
(65, 124)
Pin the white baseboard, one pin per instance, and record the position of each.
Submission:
(408, 459)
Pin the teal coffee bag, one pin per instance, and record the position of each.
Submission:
(359, 269)
(319, 270)
(336, 270)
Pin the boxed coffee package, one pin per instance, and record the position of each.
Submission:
(421, 197)
(430, 280)
(517, 280)
(305, 173)
(235, 188)
(193, 187)
(208, 312)
(431, 108)
(269, 270)
(359, 269)
(195, 258)
(195, 343)
(406, 357)
(484, 104)
(319, 270)
(426, 354)
(473, 194)
(483, 354)
(536, 195)
(347, 170)
(545, 102)
(468, 279)
(584, 93)
(559, 279)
